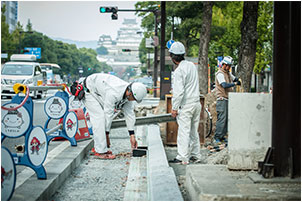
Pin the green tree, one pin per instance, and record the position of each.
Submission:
(205, 33)
(226, 36)
(225, 32)
(249, 36)
(29, 26)
(264, 55)
(102, 50)
(6, 44)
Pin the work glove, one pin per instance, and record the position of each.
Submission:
(133, 142)
(107, 139)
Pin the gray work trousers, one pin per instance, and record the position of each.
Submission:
(222, 119)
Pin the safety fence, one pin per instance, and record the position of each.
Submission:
(17, 121)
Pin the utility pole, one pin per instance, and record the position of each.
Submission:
(148, 61)
(165, 77)
(155, 58)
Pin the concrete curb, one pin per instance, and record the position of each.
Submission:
(136, 186)
(162, 184)
(57, 169)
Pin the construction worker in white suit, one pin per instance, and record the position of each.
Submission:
(186, 106)
(104, 95)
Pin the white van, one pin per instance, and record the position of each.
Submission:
(21, 69)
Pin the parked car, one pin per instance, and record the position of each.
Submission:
(21, 69)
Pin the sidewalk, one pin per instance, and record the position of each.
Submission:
(212, 182)
(216, 182)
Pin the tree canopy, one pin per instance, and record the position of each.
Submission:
(186, 19)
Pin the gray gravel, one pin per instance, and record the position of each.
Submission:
(100, 180)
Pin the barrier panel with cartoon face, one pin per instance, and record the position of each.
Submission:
(15, 123)
(55, 107)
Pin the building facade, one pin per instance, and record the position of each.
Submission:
(122, 52)
(11, 14)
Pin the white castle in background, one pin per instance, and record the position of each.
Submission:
(129, 36)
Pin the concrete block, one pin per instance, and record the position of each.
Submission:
(249, 129)
(157, 155)
(162, 184)
(210, 183)
(136, 187)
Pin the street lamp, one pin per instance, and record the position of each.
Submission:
(21, 32)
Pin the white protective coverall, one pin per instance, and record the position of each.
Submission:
(186, 100)
(104, 97)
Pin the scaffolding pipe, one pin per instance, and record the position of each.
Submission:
(144, 120)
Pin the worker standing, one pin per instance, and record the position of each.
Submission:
(104, 95)
(224, 81)
(186, 105)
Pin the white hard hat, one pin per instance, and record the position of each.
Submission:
(177, 48)
(139, 91)
(227, 60)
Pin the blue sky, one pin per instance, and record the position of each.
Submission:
(75, 20)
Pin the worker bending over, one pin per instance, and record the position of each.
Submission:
(105, 94)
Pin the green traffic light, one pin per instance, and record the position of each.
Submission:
(102, 10)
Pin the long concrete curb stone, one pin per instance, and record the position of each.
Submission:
(162, 184)
(58, 170)
(136, 186)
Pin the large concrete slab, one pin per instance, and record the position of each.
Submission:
(216, 182)
(250, 123)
